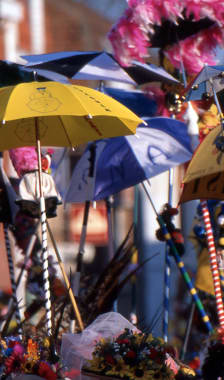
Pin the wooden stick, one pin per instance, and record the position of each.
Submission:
(70, 292)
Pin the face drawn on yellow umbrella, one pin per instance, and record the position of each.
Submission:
(43, 101)
(67, 115)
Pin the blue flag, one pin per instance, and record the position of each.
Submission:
(122, 162)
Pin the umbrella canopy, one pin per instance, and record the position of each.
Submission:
(12, 73)
(96, 65)
(67, 115)
(208, 158)
(124, 161)
(135, 100)
(205, 173)
(207, 187)
(209, 80)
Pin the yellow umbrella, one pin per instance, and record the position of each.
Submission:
(204, 176)
(208, 158)
(68, 115)
(56, 114)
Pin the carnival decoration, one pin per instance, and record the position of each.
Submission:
(186, 32)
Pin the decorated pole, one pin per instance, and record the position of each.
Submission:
(213, 262)
(181, 265)
(12, 278)
(43, 220)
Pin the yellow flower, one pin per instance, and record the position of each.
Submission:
(94, 364)
(188, 371)
(3, 343)
(121, 369)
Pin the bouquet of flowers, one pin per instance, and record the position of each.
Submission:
(28, 356)
(131, 356)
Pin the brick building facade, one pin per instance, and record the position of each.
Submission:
(39, 26)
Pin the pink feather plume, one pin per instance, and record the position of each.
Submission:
(130, 37)
(24, 159)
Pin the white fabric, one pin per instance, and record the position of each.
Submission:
(29, 187)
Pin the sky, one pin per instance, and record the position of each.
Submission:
(111, 9)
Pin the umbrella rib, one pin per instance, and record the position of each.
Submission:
(66, 133)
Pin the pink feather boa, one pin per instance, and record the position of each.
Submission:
(130, 36)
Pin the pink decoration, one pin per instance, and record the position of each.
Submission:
(155, 11)
(129, 41)
(24, 159)
(130, 37)
(197, 50)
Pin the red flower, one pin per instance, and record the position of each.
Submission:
(46, 372)
(155, 355)
(195, 363)
(131, 354)
(13, 362)
(109, 359)
(123, 341)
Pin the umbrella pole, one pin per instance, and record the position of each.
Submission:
(213, 262)
(181, 265)
(70, 292)
(43, 219)
(28, 253)
(187, 331)
(79, 268)
(108, 202)
(167, 273)
(216, 99)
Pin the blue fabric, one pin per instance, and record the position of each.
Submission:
(123, 162)
(136, 101)
(172, 127)
(127, 161)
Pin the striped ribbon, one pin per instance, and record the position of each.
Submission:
(12, 278)
(46, 282)
(185, 275)
(213, 262)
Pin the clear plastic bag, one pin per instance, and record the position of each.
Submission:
(76, 348)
